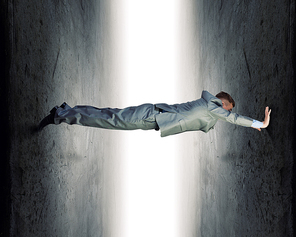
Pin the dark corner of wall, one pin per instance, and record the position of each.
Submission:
(293, 53)
(5, 184)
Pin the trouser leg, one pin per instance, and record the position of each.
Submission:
(130, 118)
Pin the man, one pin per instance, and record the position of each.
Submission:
(201, 114)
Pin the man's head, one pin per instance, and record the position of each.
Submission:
(227, 101)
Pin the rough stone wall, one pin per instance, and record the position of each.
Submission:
(246, 48)
(60, 51)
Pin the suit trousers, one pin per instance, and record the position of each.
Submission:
(130, 118)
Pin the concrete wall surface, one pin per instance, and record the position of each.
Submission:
(239, 181)
(60, 178)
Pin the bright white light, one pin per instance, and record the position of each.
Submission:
(150, 205)
(151, 50)
(150, 69)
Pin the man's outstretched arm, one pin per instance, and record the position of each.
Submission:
(265, 123)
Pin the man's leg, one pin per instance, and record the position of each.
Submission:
(130, 118)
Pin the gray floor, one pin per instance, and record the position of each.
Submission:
(235, 181)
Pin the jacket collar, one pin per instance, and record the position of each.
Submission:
(208, 97)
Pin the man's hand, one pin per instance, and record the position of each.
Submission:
(267, 117)
(266, 120)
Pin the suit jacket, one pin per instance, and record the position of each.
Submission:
(201, 114)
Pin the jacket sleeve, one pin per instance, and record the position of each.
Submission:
(222, 114)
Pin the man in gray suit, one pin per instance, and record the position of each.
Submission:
(201, 114)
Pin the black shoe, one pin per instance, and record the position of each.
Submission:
(64, 105)
(49, 119)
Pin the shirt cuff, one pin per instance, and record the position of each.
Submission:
(257, 124)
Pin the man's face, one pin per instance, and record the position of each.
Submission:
(226, 105)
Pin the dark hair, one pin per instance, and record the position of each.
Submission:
(226, 96)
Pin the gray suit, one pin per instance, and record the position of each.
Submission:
(201, 114)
